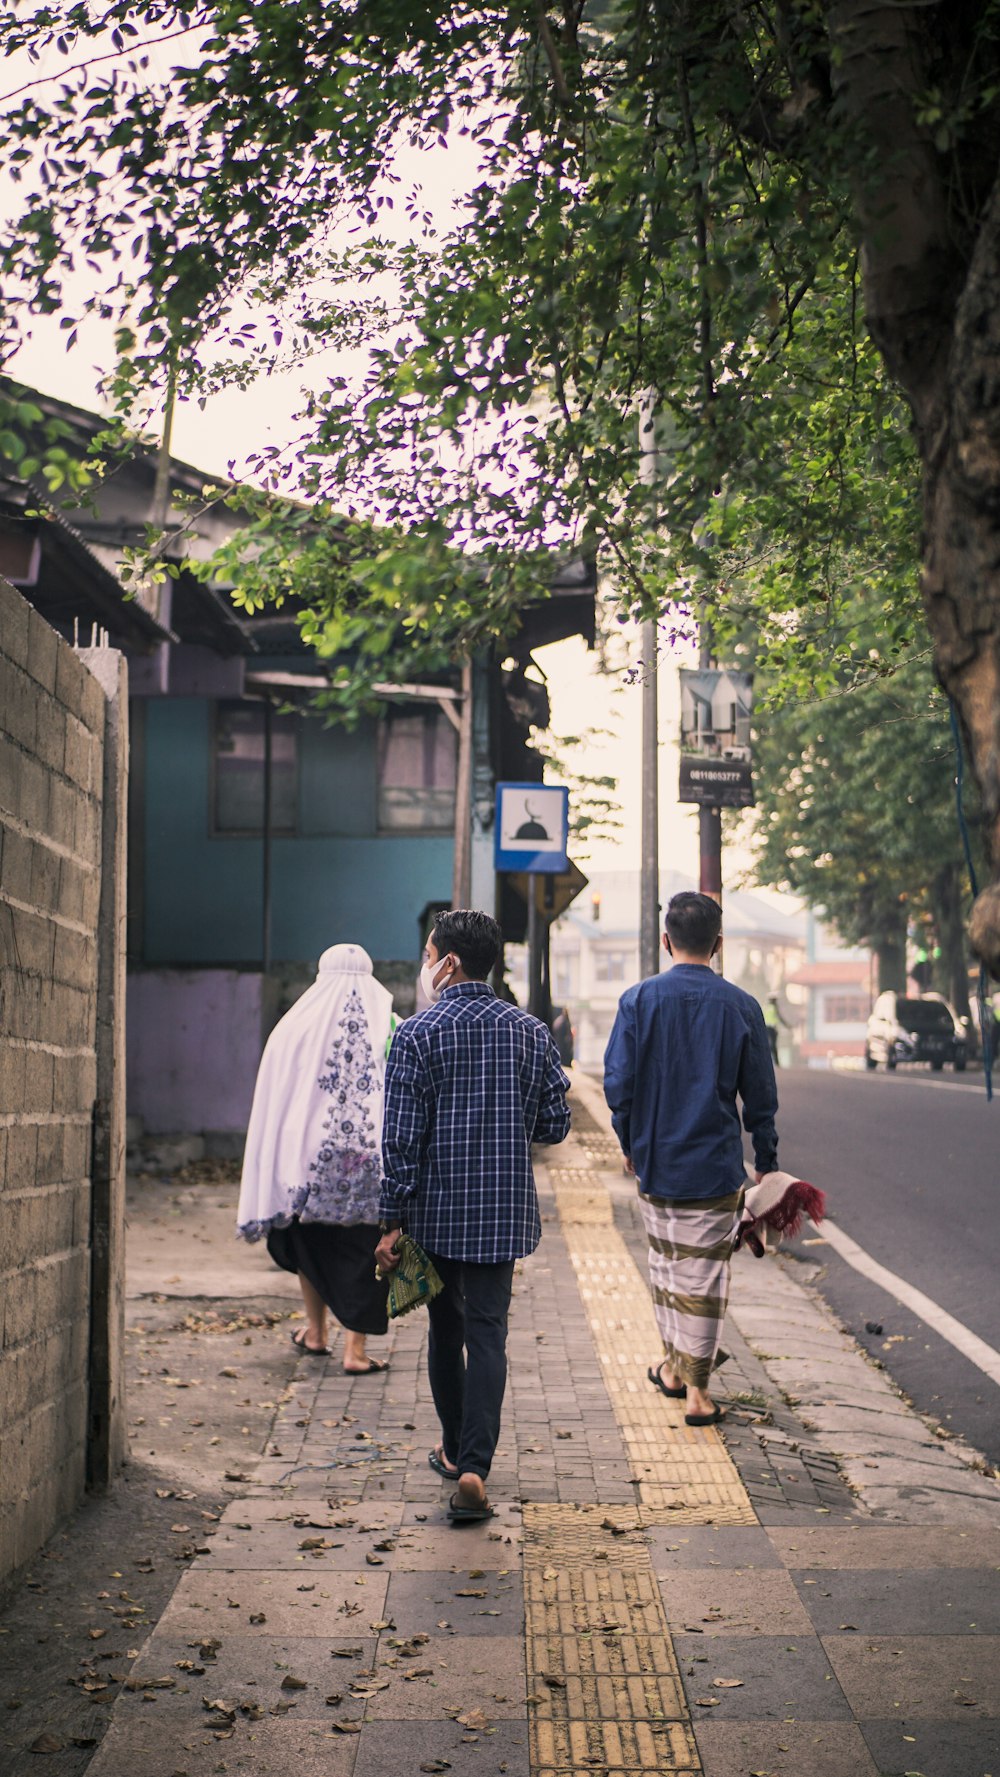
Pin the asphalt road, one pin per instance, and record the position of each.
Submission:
(910, 1163)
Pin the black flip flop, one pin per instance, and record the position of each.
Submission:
(309, 1350)
(714, 1418)
(374, 1368)
(672, 1394)
(437, 1463)
(459, 1514)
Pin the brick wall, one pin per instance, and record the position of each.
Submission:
(53, 718)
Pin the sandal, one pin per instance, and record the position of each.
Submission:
(714, 1418)
(299, 1341)
(437, 1462)
(468, 1514)
(375, 1366)
(672, 1394)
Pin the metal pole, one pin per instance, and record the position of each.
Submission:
(461, 880)
(265, 938)
(534, 950)
(709, 819)
(649, 890)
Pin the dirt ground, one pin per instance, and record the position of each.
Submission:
(206, 1371)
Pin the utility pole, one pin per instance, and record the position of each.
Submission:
(649, 889)
(709, 819)
(536, 989)
(461, 881)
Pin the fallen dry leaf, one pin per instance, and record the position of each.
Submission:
(347, 1727)
(727, 1684)
(46, 1743)
(291, 1683)
(473, 1718)
(436, 1764)
(707, 1702)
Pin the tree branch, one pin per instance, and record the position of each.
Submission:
(551, 47)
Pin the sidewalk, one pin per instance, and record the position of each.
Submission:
(813, 1594)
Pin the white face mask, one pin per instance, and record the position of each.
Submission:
(428, 978)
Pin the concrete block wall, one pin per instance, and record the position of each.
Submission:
(52, 736)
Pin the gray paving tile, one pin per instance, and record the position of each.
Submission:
(719, 1601)
(246, 1670)
(697, 1546)
(306, 1747)
(924, 1677)
(418, 1603)
(393, 1747)
(783, 1679)
(899, 1545)
(485, 1672)
(318, 1510)
(955, 1601)
(798, 1749)
(221, 1604)
(935, 1749)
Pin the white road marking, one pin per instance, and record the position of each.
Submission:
(908, 1079)
(968, 1343)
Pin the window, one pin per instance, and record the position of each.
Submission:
(239, 770)
(845, 1008)
(564, 977)
(610, 965)
(417, 755)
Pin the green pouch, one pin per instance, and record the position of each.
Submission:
(414, 1281)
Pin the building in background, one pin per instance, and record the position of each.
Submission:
(834, 987)
(233, 892)
(595, 954)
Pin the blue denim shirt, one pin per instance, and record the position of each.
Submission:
(685, 1046)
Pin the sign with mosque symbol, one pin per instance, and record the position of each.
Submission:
(532, 828)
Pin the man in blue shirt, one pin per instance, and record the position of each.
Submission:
(685, 1047)
(470, 1083)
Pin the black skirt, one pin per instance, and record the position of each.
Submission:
(339, 1262)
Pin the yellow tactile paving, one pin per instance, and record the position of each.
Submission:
(604, 1689)
(603, 1684)
(680, 1471)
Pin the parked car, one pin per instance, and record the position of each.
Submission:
(903, 1029)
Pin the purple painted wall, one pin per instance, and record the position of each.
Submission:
(194, 1042)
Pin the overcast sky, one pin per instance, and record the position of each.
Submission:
(239, 422)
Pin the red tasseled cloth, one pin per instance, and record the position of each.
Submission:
(800, 1199)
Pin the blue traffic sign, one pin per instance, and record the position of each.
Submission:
(532, 828)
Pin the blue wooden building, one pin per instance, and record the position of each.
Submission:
(258, 833)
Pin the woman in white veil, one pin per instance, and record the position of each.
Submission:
(312, 1166)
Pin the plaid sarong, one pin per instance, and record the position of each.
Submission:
(690, 1246)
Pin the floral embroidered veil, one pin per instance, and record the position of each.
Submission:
(313, 1145)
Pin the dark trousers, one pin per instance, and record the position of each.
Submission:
(467, 1358)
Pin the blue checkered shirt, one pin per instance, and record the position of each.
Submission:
(469, 1085)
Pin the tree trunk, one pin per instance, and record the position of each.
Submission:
(961, 570)
(932, 272)
(946, 901)
(890, 960)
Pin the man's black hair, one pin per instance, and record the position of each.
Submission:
(471, 936)
(693, 922)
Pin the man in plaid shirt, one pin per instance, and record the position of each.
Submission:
(470, 1084)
